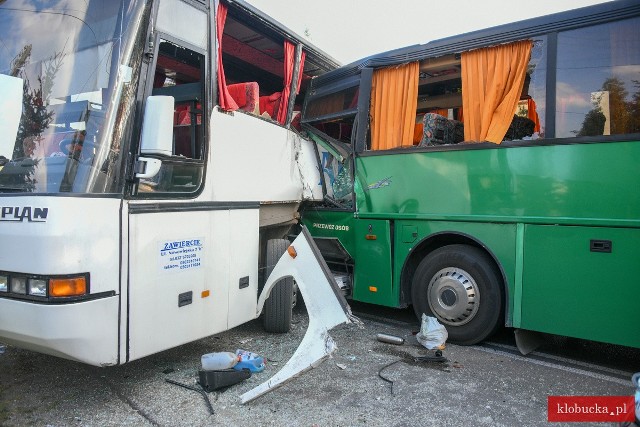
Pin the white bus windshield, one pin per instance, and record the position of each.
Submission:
(73, 57)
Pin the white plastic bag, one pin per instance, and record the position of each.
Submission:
(432, 334)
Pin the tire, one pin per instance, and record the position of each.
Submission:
(278, 307)
(460, 286)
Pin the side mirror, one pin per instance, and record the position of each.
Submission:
(11, 107)
(157, 128)
(157, 134)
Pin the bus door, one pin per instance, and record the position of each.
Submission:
(178, 265)
(373, 280)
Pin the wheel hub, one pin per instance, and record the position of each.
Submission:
(454, 297)
(449, 297)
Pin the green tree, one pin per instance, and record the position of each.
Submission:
(623, 115)
(35, 119)
(35, 115)
(593, 123)
(634, 109)
(618, 108)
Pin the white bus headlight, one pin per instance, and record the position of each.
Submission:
(19, 285)
(43, 288)
(38, 287)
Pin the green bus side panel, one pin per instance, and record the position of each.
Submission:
(336, 224)
(593, 183)
(570, 289)
(498, 239)
(372, 256)
(373, 282)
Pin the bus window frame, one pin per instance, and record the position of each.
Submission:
(158, 37)
(547, 29)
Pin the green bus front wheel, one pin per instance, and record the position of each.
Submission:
(459, 285)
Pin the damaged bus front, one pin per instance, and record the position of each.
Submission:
(150, 169)
(496, 185)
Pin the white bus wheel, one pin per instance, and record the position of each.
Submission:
(278, 307)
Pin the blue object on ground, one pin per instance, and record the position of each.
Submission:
(250, 361)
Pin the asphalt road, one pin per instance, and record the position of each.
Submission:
(490, 384)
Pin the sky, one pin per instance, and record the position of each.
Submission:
(349, 30)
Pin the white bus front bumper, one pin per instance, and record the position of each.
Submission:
(84, 331)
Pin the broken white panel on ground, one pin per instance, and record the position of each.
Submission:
(325, 305)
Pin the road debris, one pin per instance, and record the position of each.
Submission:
(390, 339)
(196, 389)
(433, 334)
(385, 378)
(326, 308)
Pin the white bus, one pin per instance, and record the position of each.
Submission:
(150, 171)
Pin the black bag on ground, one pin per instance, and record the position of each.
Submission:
(214, 380)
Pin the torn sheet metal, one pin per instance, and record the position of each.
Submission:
(528, 341)
(326, 307)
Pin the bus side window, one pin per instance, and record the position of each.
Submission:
(597, 89)
(179, 73)
(187, 130)
(440, 113)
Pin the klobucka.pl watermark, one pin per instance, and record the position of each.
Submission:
(591, 409)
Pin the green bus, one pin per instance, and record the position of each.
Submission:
(490, 179)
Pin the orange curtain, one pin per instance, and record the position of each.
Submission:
(532, 114)
(394, 100)
(418, 130)
(492, 81)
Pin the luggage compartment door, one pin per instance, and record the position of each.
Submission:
(183, 261)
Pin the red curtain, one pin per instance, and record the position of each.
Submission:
(300, 72)
(224, 98)
(289, 62)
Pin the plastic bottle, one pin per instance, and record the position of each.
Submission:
(219, 361)
(250, 361)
